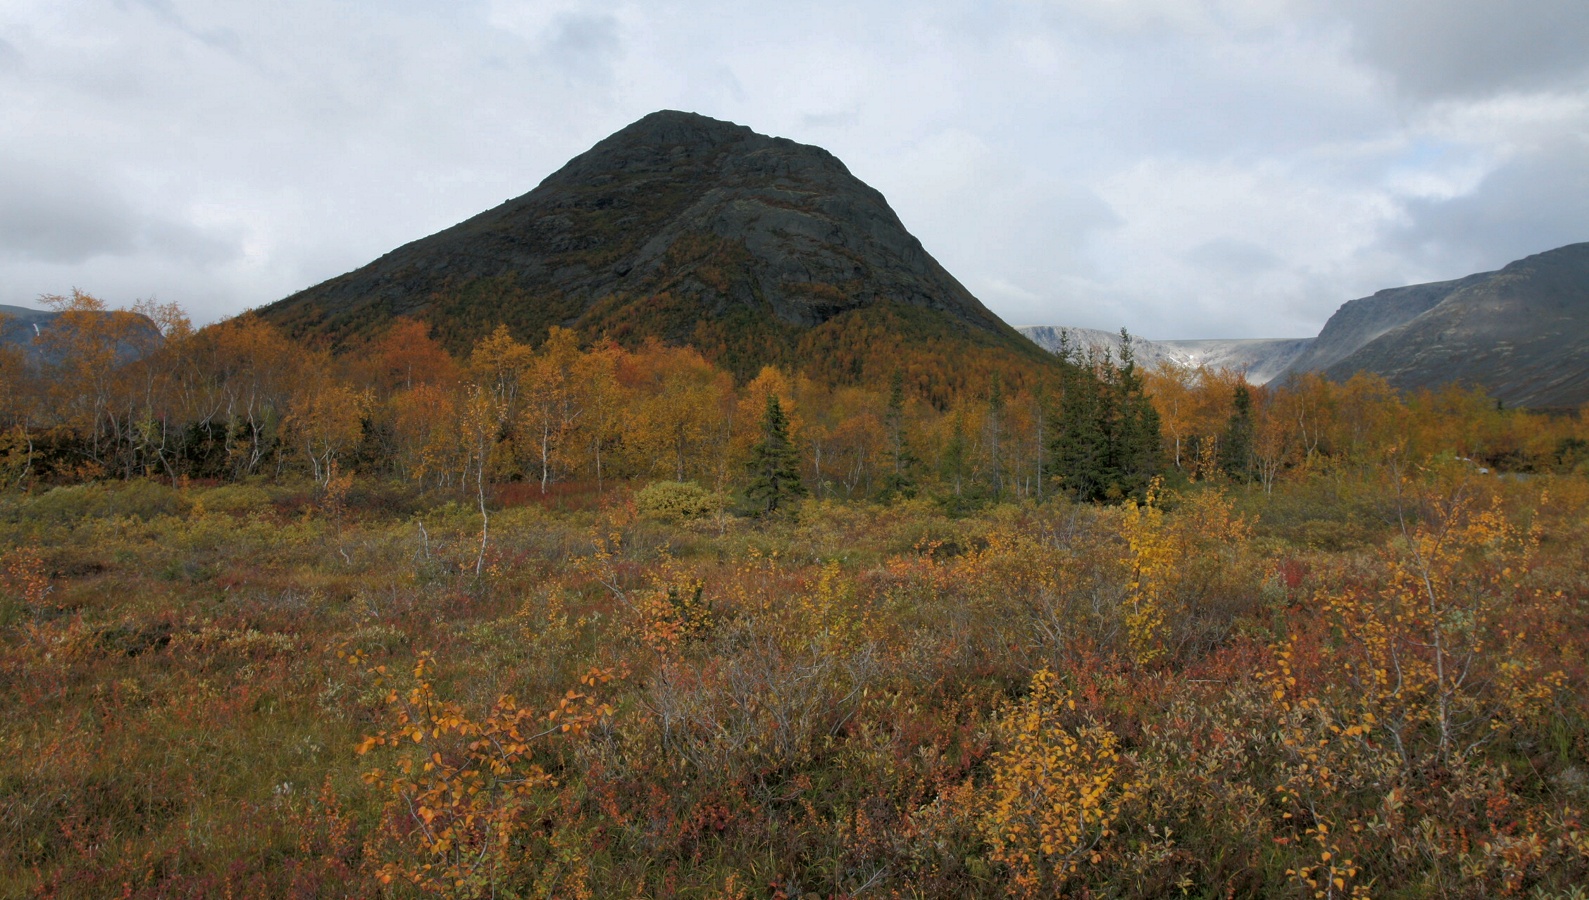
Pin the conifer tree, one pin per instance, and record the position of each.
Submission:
(952, 466)
(1080, 447)
(898, 482)
(1235, 445)
(773, 463)
(1136, 444)
(995, 435)
(1106, 433)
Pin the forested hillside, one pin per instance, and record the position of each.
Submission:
(574, 619)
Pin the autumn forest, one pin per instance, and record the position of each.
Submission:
(546, 617)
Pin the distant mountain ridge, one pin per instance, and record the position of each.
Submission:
(21, 324)
(1365, 319)
(28, 331)
(1520, 333)
(1261, 360)
(752, 248)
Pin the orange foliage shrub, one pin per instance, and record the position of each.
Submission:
(466, 794)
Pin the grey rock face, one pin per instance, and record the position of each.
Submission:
(1360, 321)
(1521, 334)
(720, 219)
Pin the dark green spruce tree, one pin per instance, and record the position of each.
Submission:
(1136, 444)
(774, 464)
(1106, 433)
(994, 432)
(1079, 452)
(1235, 445)
(898, 482)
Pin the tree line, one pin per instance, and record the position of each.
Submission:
(123, 394)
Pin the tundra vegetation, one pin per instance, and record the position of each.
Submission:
(563, 621)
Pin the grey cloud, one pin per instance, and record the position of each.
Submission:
(831, 120)
(719, 81)
(57, 216)
(224, 39)
(59, 219)
(1025, 250)
(584, 46)
(11, 62)
(1536, 202)
(162, 9)
(1231, 256)
(180, 242)
(1445, 48)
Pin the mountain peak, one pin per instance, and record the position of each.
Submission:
(678, 226)
(671, 126)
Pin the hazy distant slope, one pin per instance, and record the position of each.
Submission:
(1261, 359)
(20, 325)
(28, 330)
(1521, 334)
(1093, 340)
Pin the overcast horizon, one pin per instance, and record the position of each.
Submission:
(1185, 170)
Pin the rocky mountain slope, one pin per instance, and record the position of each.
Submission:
(19, 325)
(29, 331)
(1360, 321)
(1261, 359)
(1521, 334)
(754, 249)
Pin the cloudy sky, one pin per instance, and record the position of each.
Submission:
(1183, 168)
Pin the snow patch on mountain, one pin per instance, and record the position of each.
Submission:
(1261, 360)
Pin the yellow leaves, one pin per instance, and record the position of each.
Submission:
(826, 613)
(1169, 558)
(1054, 793)
(1332, 873)
(458, 804)
(1435, 647)
(1153, 552)
(674, 611)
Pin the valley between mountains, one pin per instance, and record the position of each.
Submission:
(682, 528)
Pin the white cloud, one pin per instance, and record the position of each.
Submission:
(1214, 168)
(1216, 249)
